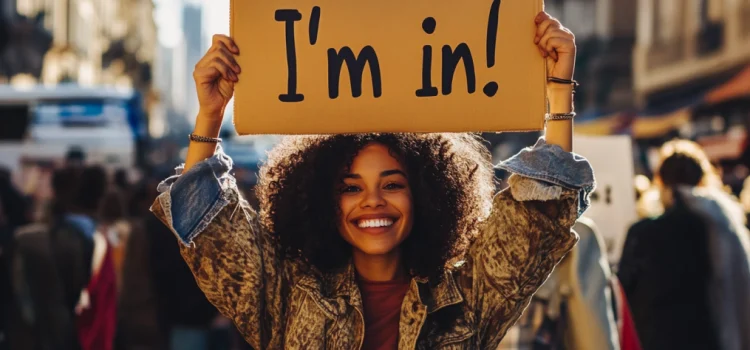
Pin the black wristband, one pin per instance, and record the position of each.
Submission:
(563, 81)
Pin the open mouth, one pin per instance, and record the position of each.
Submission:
(375, 222)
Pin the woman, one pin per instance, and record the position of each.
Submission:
(375, 241)
(687, 271)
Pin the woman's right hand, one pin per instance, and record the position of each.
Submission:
(215, 75)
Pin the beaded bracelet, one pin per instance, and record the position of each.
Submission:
(198, 138)
(559, 116)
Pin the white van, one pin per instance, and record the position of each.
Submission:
(44, 123)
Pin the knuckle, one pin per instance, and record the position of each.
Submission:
(219, 64)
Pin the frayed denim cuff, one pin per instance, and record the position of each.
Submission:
(526, 189)
(552, 169)
(191, 200)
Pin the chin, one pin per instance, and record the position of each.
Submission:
(376, 249)
(375, 245)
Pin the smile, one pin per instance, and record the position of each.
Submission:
(378, 222)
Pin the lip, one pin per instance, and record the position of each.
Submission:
(375, 230)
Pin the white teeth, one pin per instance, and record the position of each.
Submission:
(375, 223)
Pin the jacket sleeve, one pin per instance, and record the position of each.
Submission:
(527, 233)
(233, 259)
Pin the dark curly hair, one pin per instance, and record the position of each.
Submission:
(450, 175)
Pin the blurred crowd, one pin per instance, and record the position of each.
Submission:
(89, 267)
(682, 280)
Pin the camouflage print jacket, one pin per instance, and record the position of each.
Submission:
(279, 304)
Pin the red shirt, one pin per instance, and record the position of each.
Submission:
(382, 307)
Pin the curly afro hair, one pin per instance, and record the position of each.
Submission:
(450, 175)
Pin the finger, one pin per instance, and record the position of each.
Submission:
(545, 26)
(556, 33)
(220, 54)
(208, 73)
(227, 41)
(208, 70)
(558, 45)
(226, 56)
(541, 16)
(224, 68)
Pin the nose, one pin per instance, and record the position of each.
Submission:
(372, 199)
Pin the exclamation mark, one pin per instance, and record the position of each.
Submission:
(490, 89)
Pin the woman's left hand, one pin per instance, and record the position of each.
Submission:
(557, 44)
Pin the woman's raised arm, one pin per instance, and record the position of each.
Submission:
(234, 260)
(215, 75)
(529, 229)
(557, 45)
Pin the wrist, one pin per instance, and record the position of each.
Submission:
(207, 125)
(560, 98)
(211, 114)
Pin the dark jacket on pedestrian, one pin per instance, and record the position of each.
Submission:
(50, 267)
(686, 274)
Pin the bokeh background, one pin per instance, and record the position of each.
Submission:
(109, 83)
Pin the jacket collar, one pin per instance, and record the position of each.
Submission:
(342, 283)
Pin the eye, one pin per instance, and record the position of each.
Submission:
(394, 186)
(349, 189)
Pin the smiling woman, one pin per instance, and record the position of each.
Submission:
(376, 209)
(376, 241)
(405, 203)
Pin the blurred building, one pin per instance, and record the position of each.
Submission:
(690, 78)
(192, 24)
(91, 42)
(684, 45)
(23, 42)
(692, 67)
(605, 35)
(174, 74)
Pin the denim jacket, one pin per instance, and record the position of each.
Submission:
(279, 303)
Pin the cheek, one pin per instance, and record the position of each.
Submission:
(404, 204)
(346, 205)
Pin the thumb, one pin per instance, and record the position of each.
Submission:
(550, 63)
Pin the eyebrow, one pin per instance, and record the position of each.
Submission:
(382, 174)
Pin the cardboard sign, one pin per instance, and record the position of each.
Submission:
(333, 66)
(613, 202)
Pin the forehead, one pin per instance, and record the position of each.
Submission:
(375, 156)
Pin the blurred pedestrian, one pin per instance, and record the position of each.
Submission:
(686, 273)
(138, 327)
(114, 224)
(51, 265)
(97, 305)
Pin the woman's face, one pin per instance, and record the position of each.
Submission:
(375, 202)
